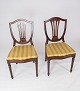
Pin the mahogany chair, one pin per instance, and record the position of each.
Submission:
(23, 48)
(54, 47)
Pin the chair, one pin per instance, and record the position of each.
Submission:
(54, 48)
(23, 48)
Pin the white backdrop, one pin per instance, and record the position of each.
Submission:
(38, 11)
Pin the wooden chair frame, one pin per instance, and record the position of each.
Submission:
(55, 38)
(22, 41)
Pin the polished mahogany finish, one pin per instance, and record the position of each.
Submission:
(21, 25)
(55, 23)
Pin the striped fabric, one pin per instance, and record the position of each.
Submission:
(59, 49)
(22, 52)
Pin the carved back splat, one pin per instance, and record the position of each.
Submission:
(55, 26)
(55, 23)
(22, 31)
(21, 26)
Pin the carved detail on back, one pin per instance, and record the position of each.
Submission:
(55, 26)
(55, 23)
(22, 31)
(21, 26)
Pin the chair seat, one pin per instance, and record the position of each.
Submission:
(22, 53)
(59, 49)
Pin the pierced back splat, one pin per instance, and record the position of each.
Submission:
(21, 27)
(55, 26)
(22, 31)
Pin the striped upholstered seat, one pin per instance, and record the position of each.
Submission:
(22, 53)
(59, 49)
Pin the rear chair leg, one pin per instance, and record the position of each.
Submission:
(72, 63)
(45, 57)
(36, 64)
(9, 65)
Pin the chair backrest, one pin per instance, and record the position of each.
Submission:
(55, 25)
(21, 26)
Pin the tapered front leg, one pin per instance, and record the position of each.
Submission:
(48, 63)
(9, 65)
(72, 63)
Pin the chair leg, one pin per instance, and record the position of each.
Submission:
(72, 63)
(48, 62)
(45, 57)
(9, 65)
(36, 64)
